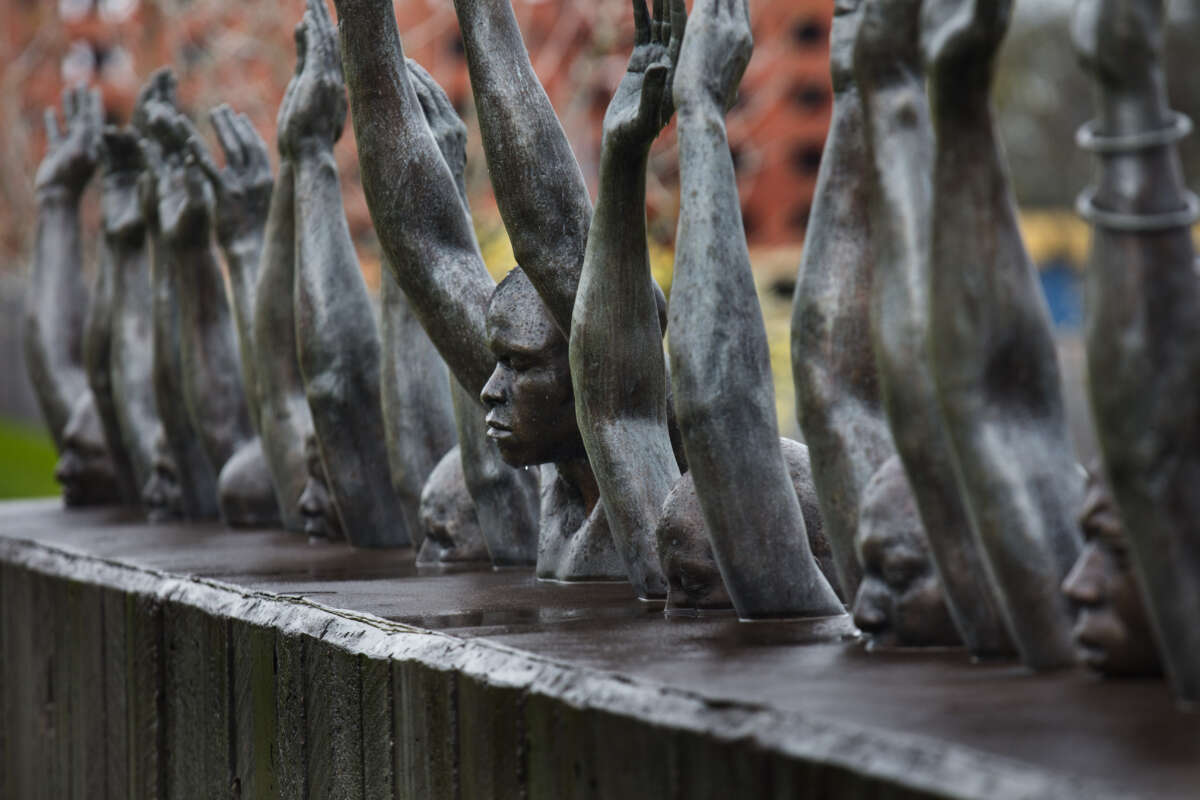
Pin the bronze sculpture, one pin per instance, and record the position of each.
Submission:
(57, 304)
(449, 524)
(197, 477)
(887, 70)
(130, 360)
(1142, 326)
(1112, 631)
(722, 382)
(900, 601)
(337, 342)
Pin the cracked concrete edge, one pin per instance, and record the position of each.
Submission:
(911, 761)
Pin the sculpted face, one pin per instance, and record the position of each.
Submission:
(1111, 629)
(162, 495)
(530, 401)
(85, 469)
(316, 505)
(448, 516)
(900, 601)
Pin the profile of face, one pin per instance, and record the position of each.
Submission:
(85, 469)
(448, 517)
(693, 578)
(1111, 630)
(316, 504)
(900, 601)
(162, 496)
(529, 398)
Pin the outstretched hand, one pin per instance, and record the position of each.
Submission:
(243, 187)
(847, 14)
(314, 107)
(121, 163)
(714, 55)
(159, 90)
(643, 103)
(1120, 41)
(71, 157)
(184, 196)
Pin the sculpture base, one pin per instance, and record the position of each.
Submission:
(192, 661)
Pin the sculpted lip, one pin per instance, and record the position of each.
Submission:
(496, 429)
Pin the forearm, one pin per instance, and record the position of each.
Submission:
(211, 371)
(274, 337)
(540, 191)
(723, 393)
(331, 297)
(422, 224)
(616, 337)
(243, 256)
(57, 304)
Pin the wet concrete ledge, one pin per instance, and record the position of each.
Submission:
(192, 661)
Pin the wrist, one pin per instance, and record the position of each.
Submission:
(311, 149)
(243, 246)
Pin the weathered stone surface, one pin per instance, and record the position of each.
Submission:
(556, 692)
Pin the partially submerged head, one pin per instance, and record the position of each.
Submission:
(529, 397)
(85, 468)
(449, 520)
(693, 578)
(900, 601)
(1111, 629)
(162, 495)
(316, 503)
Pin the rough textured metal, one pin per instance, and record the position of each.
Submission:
(838, 402)
(991, 345)
(131, 356)
(57, 303)
(337, 339)
(720, 368)
(1142, 327)
(899, 139)
(401, 126)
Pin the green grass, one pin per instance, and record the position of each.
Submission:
(27, 458)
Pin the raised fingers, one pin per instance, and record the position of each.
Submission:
(678, 26)
(222, 122)
(641, 23)
(253, 146)
(658, 28)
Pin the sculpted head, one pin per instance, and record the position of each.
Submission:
(900, 601)
(529, 398)
(85, 469)
(1111, 629)
(162, 495)
(693, 578)
(448, 516)
(316, 504)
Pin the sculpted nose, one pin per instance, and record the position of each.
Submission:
(66, 468)
(1084, 584)
(493, 391)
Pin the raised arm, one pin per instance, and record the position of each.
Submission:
(1143, 332)
(993, 353)
(337, 342)
(423, 227)
(887, 70)
(212, 379)
(284, 417)
(617, 364)
(539, 188)
(58, 297)
(720, 366)
(132, 350)
(243, 197)
(838, 401)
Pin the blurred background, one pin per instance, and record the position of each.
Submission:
(243, 53)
